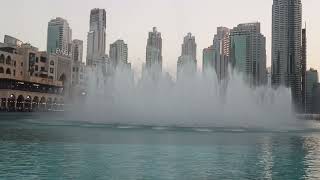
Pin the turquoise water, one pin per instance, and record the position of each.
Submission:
(32, 147)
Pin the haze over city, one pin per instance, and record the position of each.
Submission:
(132, 20)
(159, 89)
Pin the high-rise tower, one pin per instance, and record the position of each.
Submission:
(304, 69)
(248, 52)
(154, 52)
(119, 54)
(187, 62)
(96, 45)
(59, 36)
(77, 50)
(286, 46)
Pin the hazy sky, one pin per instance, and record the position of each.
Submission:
(131, 20)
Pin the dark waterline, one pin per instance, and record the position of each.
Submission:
(32, 147)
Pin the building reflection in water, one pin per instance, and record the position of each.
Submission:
(311, 145)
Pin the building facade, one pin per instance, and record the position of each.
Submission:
(96, 42)
(59, 36)
(77, 50)
(316, 99)
(248, 52)
(221, 49)
(311, 81)
(286, 46)
(208, 56)
(187, 62)
(118, 54)
(12, 41)
(28, 80)
(154, 52)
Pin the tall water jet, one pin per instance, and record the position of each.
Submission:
(199, 100)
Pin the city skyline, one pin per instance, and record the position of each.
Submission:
(119, 25)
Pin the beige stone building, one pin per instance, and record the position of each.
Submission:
(31, 80)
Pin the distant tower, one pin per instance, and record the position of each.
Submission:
(304, 68)
(119, 54)
(187, 62)
(208, 59)
(96, 45)
(248, 52)
(311, 81)
(222, 50)
(286, 46)
(77, 50)
(59, 36)
(154, 52)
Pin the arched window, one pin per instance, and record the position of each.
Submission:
(1, 70)
(8, 71)
(1, 58)
(52, 63)
(8, 60)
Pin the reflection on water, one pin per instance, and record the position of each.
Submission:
(33, 149)
(311, 145)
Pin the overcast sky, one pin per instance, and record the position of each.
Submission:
(131, 20)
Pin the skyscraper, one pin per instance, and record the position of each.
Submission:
(208, 57)
(316, 99)
(77, 50)
(222, 49)
(304, 68)
(96, 45)
(154, 52)
(59, 36)
(311, 81)
(248, 52)
(119, 54)
(187, 62)
(286, 46)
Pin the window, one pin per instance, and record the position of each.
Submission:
(14, 63)
(1, 70)
(51, 63)
(37, 59)
(22, 64)
(8, 60)
(21, 73)
(73, 69)
(43, 69)
(43, 59)
(1, 58)
(8, 71)
(14, 72)
(36, 68)
(51, 70)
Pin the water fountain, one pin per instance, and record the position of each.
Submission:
(197, 101)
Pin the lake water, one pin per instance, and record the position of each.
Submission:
(49, 147)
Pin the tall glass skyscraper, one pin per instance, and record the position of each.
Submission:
(96, 45)
(248, 52)
(286, 46)
(59, 36)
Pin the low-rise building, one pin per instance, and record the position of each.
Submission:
(28, 79)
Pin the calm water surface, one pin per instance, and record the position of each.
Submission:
(32, 147)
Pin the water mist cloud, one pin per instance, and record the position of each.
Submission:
(197, 101)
